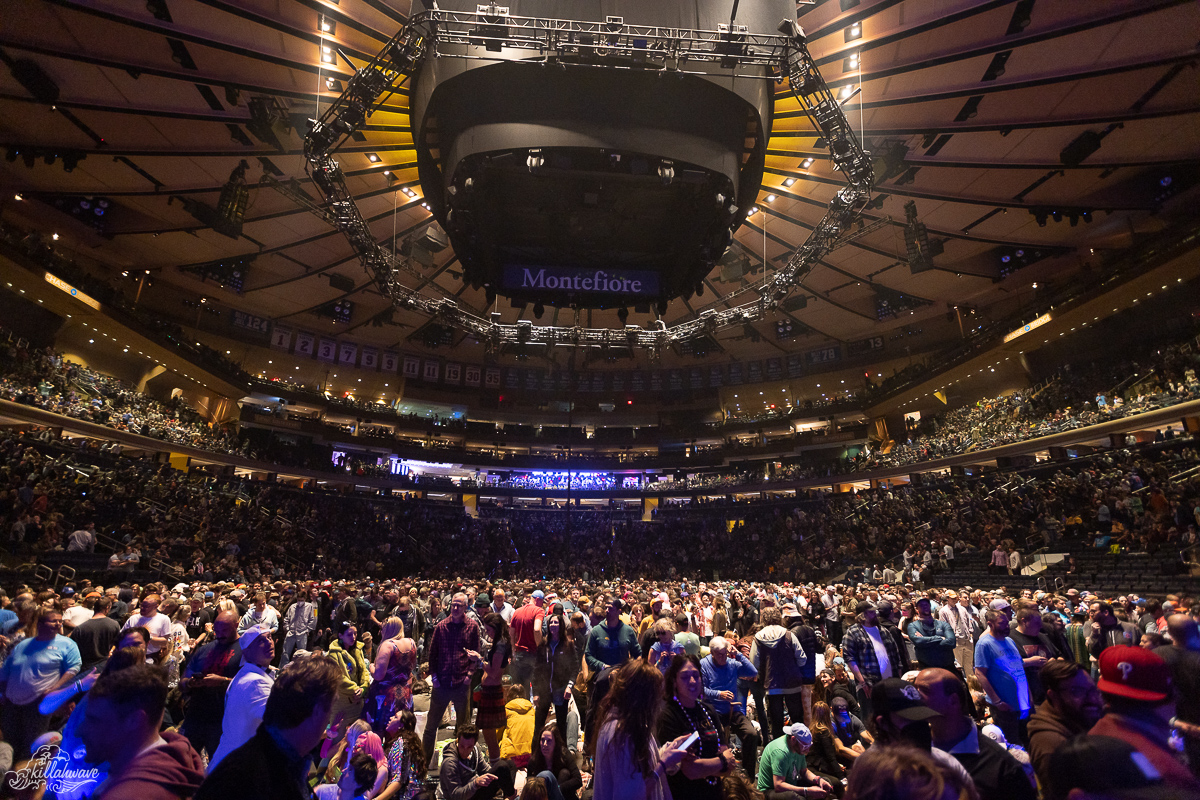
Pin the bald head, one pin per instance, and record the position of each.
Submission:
(225, 626)
(941, 690)
(1184, 631)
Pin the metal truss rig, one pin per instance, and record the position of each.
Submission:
(610, 44)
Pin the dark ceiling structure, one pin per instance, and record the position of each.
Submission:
(1013, 142)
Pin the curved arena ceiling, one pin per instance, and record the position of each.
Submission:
(1044, 131)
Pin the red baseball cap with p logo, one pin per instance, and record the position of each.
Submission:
(1135, 673)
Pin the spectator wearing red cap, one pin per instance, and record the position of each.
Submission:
(1136, 685)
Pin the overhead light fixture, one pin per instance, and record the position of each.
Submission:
(808, 162)
(54, 237)
(854, 32)
(753, 211)
(789, 181)
(373, 158)
(770, 198)
(327, 56)
(326, 25)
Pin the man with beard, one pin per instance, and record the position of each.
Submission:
(871, 654)
(1072, 706)
(1001, 672)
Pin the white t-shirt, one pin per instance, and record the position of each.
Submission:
(159, 626)
(885, 663)
(77, 615)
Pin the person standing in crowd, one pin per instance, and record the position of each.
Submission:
(274, 764)
(722, 668)
(1107, 631)
(779, 659)
(1034, 647)
(1001, 673)
(246, 700)
(299, 621)
(526, 632)
(206, 680)
(450, 667)
(348, 651)
(491, 716)
(122, 725)
(391, 689)
(1072, 706)
(933, 639)
(96, 637)
(557, 666)
(37, 665)
(832, 616)
(996, 774)
(148, 617)
(871, 654)
(807, 637)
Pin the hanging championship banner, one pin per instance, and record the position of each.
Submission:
(306, 343)
(281, 337)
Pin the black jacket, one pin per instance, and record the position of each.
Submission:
(258, 770)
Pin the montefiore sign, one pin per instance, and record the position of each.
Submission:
(592, 281)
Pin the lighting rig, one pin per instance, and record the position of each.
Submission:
(567, 43)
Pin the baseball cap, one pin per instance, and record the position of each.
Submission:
(1108, 766)
(899, 697)
(1135, 673)
(999, 604)
(247, 638)
(68, 592)
(663, 598)
(538, 594)
(789, 610)
(799, 732)
(863, 607)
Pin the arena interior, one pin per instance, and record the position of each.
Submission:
(816, 377)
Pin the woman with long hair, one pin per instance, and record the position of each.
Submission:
(686, 713)
(340, 756)
(395, 662)
(823, 757)
(405, 758)
(491, 715)
(556, 665)
(630, 764)
(551, 761)
(372, 745)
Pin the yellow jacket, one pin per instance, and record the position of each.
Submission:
(518, 736)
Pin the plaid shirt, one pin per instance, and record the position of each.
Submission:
(860, 652)
(448, 660)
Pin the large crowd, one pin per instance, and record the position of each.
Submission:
(1073, 398)
(1077, 397)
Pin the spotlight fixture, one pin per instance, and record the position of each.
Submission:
(326, 25)
(808, 162)
(327, 56)
(854, 32)
(789, 181)
(373, 158)
(770, 198)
